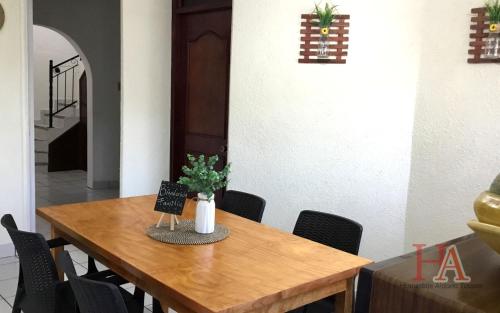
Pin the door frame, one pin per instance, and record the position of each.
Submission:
(177, 12)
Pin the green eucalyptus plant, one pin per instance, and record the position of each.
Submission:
(326, 16)
(493, 9)
(201, 176)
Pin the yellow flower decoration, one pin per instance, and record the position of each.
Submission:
(325, 31)
(493, 28)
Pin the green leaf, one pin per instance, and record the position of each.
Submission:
(493, 9)
(326, 15)
(201, 177)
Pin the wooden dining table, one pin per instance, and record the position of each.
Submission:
(258, 268)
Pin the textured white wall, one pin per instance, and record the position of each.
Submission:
(146, 59)
(48, 45)
(15, 162)
(457, 133)
(335, 138)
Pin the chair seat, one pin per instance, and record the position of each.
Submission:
(65, 301)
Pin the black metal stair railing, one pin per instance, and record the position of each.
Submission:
(62, 78)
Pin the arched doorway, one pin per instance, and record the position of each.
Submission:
(63, 121)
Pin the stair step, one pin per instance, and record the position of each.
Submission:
(55, 116)
(42, 152)
(41, 126)
(41, 163)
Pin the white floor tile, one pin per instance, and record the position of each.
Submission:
(5, 307)
(71, 248)
(78, 256)
(7, 260)
(80, 270)
(148, 300)
(9, 270)
(10, 300)
(8, 287)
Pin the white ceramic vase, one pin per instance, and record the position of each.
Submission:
(205, 214)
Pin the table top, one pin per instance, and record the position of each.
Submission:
(393, 282)
(256, 264)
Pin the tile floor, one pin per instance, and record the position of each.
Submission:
(66, 187)
(53, 189)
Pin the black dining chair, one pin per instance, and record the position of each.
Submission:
(98, 297)
(39, 289)
(244, 204)
(331, 230)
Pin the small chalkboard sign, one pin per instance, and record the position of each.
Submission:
(171, 198)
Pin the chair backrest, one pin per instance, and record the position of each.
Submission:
(92, 296)
(38, 267)
(329, 229)
(244, 204)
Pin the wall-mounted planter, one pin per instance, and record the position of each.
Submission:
(2, 16)
(312, 46)
(481, 38)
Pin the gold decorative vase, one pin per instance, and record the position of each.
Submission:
(487, 208)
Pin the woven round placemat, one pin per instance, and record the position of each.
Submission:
(184, 234)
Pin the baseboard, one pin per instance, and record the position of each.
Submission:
(106, 184)
(7, 250)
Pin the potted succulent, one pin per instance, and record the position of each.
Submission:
(492, 48)
(325, 17)
(493, 9)
(202, 178)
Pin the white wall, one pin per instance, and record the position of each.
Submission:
(146, 60)
(456, 133)
(400, 104)
(49, 45)
(15, 134)
(335, 138)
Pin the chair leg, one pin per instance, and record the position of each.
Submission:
(157, 306)
(19, 292)
(139, 295)
(92, 268)
(15, 306)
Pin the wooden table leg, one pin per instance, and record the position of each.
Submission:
(157, 307)
(343, 300)
(55, 252)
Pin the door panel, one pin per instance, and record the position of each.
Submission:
(206, 86)
(200, 84)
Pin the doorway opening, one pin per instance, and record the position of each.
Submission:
(201, 53)
(62, 90)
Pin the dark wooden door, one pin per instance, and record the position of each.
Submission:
(82, 138)
(200, 80)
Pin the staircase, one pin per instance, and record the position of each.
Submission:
(63, 113)
(44, 135)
